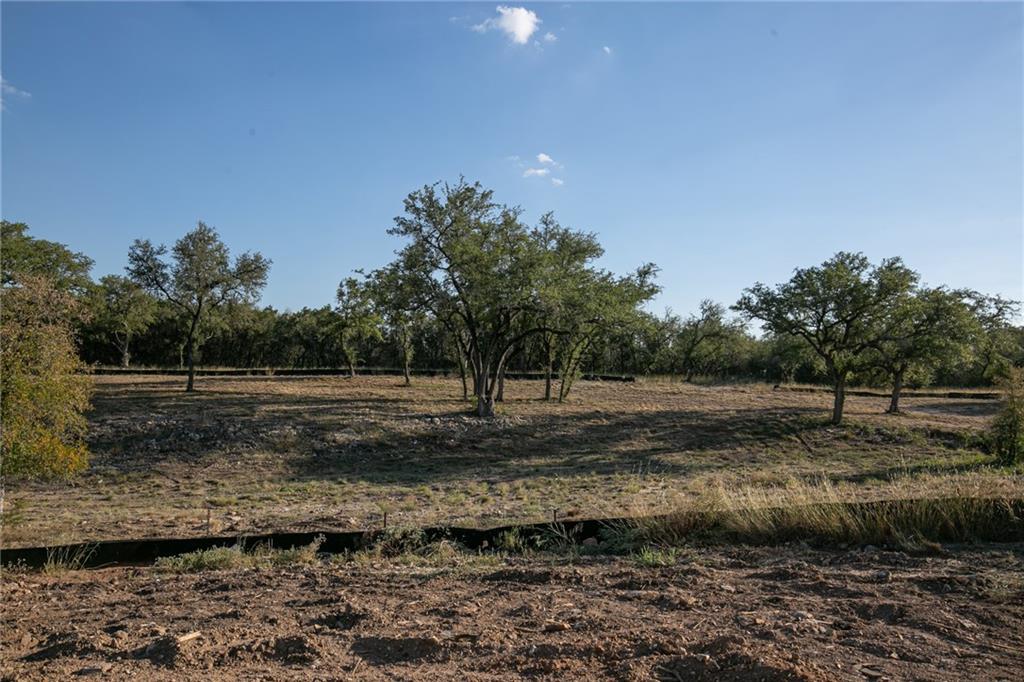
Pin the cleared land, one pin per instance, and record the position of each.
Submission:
(264, 454)
(767, 614)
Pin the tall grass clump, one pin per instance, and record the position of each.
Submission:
(62, 559)
(819, 512)
(1007, 430)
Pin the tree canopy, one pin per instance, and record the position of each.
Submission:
(493, 282)
(23, 255)
(838, 308)
(199, 278)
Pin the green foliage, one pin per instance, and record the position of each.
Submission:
(494, 284)
(656, 557)
(45, 391)
(398, 540)
(199, 279)
(121, 310)
(1007, 430)
(394, 301)
(357, 320)
(223, 558)
(838, 308)
(26, 256)
(921, 329)
(998, 343)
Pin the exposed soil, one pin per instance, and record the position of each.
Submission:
(784, 613)
(263, 454)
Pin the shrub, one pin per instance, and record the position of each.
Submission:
(220, 558)
(1008, 428)
(45, 392)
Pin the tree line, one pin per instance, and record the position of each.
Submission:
(476, 289)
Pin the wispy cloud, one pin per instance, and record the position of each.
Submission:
(518, 23)
(7, 91)
(607, 50)
(545, 167)
(550, 37)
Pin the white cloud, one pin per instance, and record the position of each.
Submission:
(557, 182)
(518, 23)
(550, 37)
(540, 172)
(607, 50)
(6, 89)
(544, 158)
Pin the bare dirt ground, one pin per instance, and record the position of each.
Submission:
(782, 613)
(260, 454)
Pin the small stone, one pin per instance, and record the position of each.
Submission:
(557, 627)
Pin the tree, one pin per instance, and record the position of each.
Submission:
(473, 266)
(565, 276)
(45, 390)
(122, 310)
(921, 329)
(23, 255)
(837, 308)
(785, 355)
(996, 343)
(489, 280)
(395, 307)
(356, 319)
(1007, 431)
(699, 331)
(199, 279)
(599, 303)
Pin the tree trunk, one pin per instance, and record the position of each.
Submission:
(126, 358)
(897, 388)
(500, 398)
(462, 375)
(191, 365)
(405, 369)
(840, 398)
(351, 367)
(547, 381)
(484, 398)
(548, 369)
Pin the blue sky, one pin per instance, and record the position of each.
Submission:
(728, 143)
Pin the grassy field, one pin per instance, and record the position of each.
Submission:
(249, 454)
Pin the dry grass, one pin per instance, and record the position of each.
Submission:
(912, 513)
(256, 454)
(64, 559)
